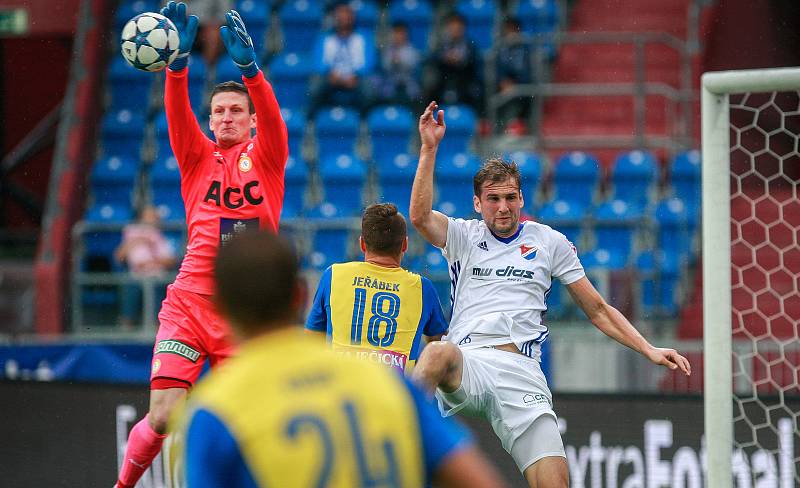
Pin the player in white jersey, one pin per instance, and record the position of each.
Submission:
(501, 271)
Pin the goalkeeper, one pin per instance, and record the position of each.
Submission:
(230, 185)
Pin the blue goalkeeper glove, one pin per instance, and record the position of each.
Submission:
(239, 44)
(187, 30)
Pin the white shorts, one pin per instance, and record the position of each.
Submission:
(510, 391)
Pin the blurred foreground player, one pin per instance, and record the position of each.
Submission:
(375, 309)
(230, 186)
(502, 270)
(285, 412)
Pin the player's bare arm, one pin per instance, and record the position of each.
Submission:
(430, 223)
(613, 324)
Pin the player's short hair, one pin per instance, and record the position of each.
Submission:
(257, 281)
(496, 170)
(233, 86)
(383, 229)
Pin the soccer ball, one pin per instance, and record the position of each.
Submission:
(150, 42)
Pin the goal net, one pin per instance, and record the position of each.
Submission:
(751, 274)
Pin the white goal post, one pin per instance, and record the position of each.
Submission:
(716, 251)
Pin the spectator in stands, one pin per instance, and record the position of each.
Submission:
(212, 13)
(345, 58)
(147, 254)
(454, 74)
(513, 67)
(397, 80)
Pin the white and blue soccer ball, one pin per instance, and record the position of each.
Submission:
(149, 42)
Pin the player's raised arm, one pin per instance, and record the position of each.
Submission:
(612, 323)
(271, 133)
(430, 223)
(184, 131)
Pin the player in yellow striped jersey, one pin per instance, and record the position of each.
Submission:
(375, 309)
(287, 413)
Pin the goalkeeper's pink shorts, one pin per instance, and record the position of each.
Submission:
(189, 332)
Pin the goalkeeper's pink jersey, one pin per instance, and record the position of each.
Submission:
(225, 191)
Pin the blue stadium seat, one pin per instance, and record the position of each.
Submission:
(295, 122)
(331, 242)
(539, 17)
(431, 263)
(113, 180)
(161, 132)
(530, 168)
(165, 182)
(227, 70)
(337, 130)
(171, 212)
(127, 86)
(454, 180)
(123, 133)
(343, 178)
(673, 227)
(647, 279)
(576, 177)
(290, 73)
(685, 179)
(99, 245)
(257, 15)
(301, 21)
(461, 124)
(418, 16)
(564, 216)
(396, 175)
(616, 223)
(367, 16)
(296, 181)
(634, 176)
(669, 277)
(479, 16)
(601, 258)
(390, 128)
(197, 81)
(129, 9)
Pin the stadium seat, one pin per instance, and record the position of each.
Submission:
(461, 124)
(289, 74)
(295, 122)
(673, 229)
(530, 169)
(343, 178)
(257, 15)
(418, 16)
(601, 258)
(123, 133)
(113, 180)
(390, 129)
(685, 179)
(668, 280)
(131, 8)
(100, 242)
(576, 177)
(431, 263)
(171, 212)
(395, 176)
(226, 70)
(454, 176)
(296, 181)
(634, 177)
(566, 217)
(616, 223)
(479, 16)
(367, 16)
(539, 17)
(197, 82)
(124, 82)
(647, 279)
(337, 130)
(301, 21)
(165, 182)
(332, 238)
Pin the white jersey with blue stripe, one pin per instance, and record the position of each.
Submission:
(499, 285)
